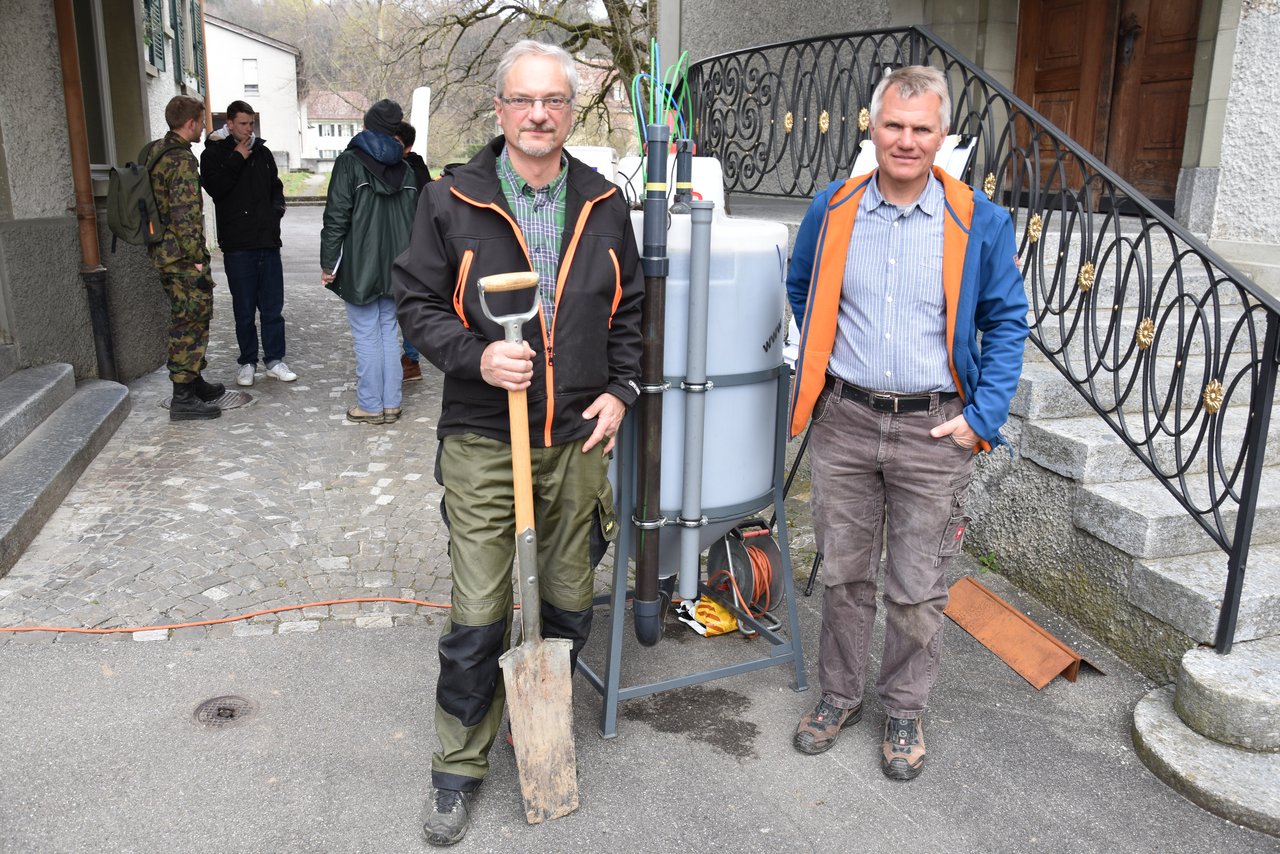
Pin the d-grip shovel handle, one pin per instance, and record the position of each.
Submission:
(521, 468)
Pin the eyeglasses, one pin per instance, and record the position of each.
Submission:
(553, 104)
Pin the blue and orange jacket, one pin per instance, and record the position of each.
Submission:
(984, 293)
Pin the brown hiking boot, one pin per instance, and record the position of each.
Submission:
(820, 726)
(902, 754)
(412, 370)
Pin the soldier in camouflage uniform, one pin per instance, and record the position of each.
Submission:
(183, 261)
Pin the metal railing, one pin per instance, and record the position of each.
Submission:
(1174, 348)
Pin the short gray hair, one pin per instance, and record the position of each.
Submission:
(529, 47)
(913, 80)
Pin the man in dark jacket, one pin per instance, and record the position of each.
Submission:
(520, 203)
(239, 173)
(367, 216)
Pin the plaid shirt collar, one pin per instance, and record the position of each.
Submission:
(508, 175)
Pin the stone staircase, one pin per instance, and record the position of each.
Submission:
(1077, 518)
(51, 428)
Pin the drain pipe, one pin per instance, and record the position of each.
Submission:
(695, 386)
(92, 272)
(649, 607)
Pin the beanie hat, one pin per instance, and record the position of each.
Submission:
(384, 117)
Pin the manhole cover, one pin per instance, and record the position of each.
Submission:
(229, 400)
(224, 711)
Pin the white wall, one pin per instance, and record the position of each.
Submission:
(338, 134)
(277, 98)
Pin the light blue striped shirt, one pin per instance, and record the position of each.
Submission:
(892, 329)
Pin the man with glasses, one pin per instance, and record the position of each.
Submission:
(520, 204)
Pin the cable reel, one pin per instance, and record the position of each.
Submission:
(744, 567)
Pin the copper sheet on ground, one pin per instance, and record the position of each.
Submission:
(1036, 655)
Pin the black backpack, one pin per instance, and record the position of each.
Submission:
(132, 215)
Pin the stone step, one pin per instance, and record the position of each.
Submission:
(41, 470)
(1195, 334)
(1233, 698)
(1186, 592)
(1043, 392)
(28, 397)
(1237, 784)
(1141, 517)
(1086, 449)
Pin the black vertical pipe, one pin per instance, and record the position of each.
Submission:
(95, 285)
(650, 604)
(684, 177)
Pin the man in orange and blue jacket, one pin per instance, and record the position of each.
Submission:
(901, 396)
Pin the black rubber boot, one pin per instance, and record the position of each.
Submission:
(207, 391)
(186, 405)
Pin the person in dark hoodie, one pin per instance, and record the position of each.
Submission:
(367, 219)
(239, 172)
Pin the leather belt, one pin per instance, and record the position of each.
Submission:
(883, 401)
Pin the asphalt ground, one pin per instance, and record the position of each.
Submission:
(281, 503)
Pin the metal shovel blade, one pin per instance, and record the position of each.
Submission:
(540, 703)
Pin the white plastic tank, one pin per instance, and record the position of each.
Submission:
(744, 357)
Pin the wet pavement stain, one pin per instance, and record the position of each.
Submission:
(710, 715)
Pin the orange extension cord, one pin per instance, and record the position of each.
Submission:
(130, 630)
(761, 582)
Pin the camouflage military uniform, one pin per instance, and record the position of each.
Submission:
(176, 183)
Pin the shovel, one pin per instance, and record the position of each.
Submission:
(536, 673)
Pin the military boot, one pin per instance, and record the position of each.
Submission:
(186, 404)
(207, 391)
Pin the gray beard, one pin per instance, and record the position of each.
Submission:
(530, 150)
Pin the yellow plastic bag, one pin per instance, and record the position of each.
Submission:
(714, 616)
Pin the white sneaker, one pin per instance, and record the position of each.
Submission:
(281, 372)
(245, 377)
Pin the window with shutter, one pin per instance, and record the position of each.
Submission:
(179, 36)
(197, 45)
(153, 32)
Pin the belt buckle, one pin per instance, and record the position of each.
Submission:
(890, 402)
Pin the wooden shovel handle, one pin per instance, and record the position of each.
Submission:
(521, 467)
(500, 282)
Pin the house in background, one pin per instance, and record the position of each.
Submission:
(248, 66)
(331, 120)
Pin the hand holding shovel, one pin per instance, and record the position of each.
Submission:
(536, 673)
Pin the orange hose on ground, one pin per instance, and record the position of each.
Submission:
(130, 630)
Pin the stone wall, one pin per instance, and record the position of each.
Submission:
(709, 27)
(1248, 207)
(43, 306)
(1023, 518)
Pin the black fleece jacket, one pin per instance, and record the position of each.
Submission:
(247, 194)
(464, 229)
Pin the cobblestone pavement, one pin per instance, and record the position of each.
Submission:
(276, 503)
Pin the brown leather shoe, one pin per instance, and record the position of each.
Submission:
(821, 725)
(412, 370)
(359, 416)
(902, 754)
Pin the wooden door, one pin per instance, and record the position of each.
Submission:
(1115, 75)
(1064, 62)
(1155, 56)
